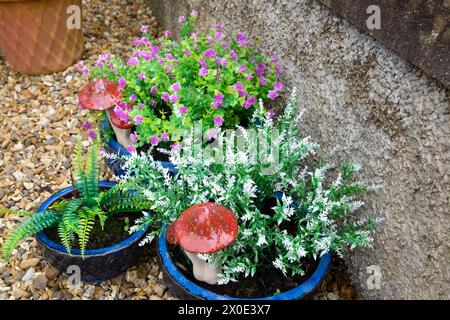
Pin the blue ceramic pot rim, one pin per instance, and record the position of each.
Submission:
(42, 237)
(121, 151)
(303, 289)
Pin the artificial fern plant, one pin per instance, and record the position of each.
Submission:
(75, 218)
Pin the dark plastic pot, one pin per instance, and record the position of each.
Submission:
(113, 147)
(98, 264)
(186, 289)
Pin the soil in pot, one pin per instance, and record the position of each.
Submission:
(114, 232)
(156, 154)
(266, 282)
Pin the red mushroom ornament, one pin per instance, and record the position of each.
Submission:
(100, 94)
(103, 95)
(204, 228)
(122, 128)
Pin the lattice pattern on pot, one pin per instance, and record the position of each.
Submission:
(35, 38)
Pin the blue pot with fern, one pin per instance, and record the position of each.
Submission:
(96, 264)
(85, 226)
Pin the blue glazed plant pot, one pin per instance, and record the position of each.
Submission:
(97, 265)
(186, 289)
(113, 147)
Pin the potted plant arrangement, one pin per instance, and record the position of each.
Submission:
(41, 36)
(167, 86)
(86, 224)
(241, 227)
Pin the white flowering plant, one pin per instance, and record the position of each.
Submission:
(292, 213)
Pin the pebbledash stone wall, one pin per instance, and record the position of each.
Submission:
(381, 111)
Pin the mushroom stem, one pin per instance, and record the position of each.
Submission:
(203, 271)
(122, 135)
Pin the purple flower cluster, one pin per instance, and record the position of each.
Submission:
(203, 68)
(154, 140)
(233, 55)
(82, 68)
(277, 87)
(103, 59)
(242, 39)
(86, 125)
(91, 134)
(121, 113)
(260, 69)
(218, 101)
(173, 98)
(183, 110)
(240, 89)
(138, 119)
(165, 96)
(210, 53)
(122, 83)
(221, 61)
(249, 102)
(134, 137)
(218, 121)
(175, 87)
(242, 68)
(133, 61)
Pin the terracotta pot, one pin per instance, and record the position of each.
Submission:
(35, 37)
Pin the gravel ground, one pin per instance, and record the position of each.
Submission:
(38, 129)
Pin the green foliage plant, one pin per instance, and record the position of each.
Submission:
(75, 218)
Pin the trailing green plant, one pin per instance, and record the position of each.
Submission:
(313, 214)
(75, 218)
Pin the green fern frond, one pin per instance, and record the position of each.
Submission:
(37, 222)
(118, 200)
(66, 236)
(102, 216)
(70, 217)
(79, 169)
(85, 226)
(109, 196)
(15, 212)
(93, 170)
(69, 223)
(59, 206)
